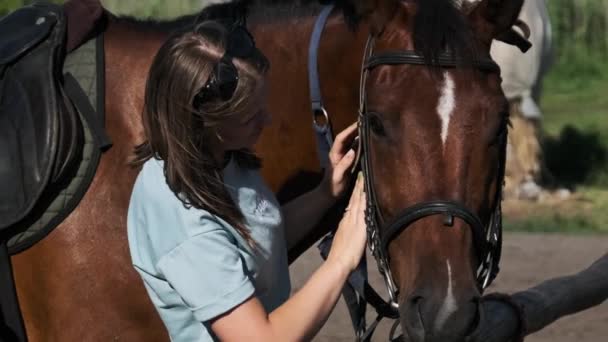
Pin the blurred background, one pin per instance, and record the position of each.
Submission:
(563, 226)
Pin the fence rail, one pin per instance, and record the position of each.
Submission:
(547, 302)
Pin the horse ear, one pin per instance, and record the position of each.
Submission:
(379, 12)
(494, 19)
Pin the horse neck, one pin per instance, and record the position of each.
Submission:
(129, 50)
(340, 52)
(288, 146)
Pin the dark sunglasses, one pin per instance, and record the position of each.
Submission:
(225, 77)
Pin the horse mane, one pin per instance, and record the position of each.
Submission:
(439, 25)
(254, 10)
(273, 10)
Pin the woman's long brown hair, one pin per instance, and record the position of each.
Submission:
(179, 134)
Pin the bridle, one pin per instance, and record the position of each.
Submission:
(380, 232)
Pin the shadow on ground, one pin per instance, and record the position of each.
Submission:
(575, 157)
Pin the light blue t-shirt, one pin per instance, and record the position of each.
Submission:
(195, 266)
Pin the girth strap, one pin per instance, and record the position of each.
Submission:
(11, 322)
(80, 100)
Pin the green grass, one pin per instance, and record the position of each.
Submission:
(582, 104)
(575, 126)
(575, 129)
(575, 103)
(553, 224)
(586, 213)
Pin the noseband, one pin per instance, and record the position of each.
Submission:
(487, 239)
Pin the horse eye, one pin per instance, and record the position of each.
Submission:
(376, 126)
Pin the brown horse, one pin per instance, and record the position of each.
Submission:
(433, 137)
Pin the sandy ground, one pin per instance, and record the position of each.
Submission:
(528, 260)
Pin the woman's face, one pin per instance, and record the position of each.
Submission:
(243, 131)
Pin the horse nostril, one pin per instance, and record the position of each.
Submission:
(477, 321)
(475, 325)
(416, 304)
(411, 318)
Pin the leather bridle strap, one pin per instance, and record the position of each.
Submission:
(357, 292)
(421, 210)
(320, 117)
(444, 60)
(373, 215)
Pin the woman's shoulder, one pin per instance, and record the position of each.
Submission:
(156, 213)
(152, 169)
(150, 183)
(151, 195)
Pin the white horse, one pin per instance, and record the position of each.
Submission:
(522, 73)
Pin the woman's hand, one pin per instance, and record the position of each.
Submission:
(349, 241)
(341, 158)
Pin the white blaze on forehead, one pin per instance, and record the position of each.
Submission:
(449, 305)
(446, 105)
(467, 5)
(460, 3)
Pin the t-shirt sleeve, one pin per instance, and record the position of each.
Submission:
(208, 272)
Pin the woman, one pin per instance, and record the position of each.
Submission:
(206, 235)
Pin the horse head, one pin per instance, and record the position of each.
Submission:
(433, 124)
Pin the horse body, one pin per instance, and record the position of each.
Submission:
(78, 283)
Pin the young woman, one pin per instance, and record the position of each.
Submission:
(205, 233)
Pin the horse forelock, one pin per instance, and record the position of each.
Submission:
(440, 26)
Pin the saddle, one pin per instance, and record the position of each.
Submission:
(51, 137)
(40, 131)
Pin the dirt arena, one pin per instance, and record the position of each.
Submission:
(528, 260)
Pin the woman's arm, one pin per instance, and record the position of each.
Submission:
(304, 212)
(298, 319)
(301, 317)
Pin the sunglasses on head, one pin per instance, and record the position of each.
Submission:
(224, 79)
